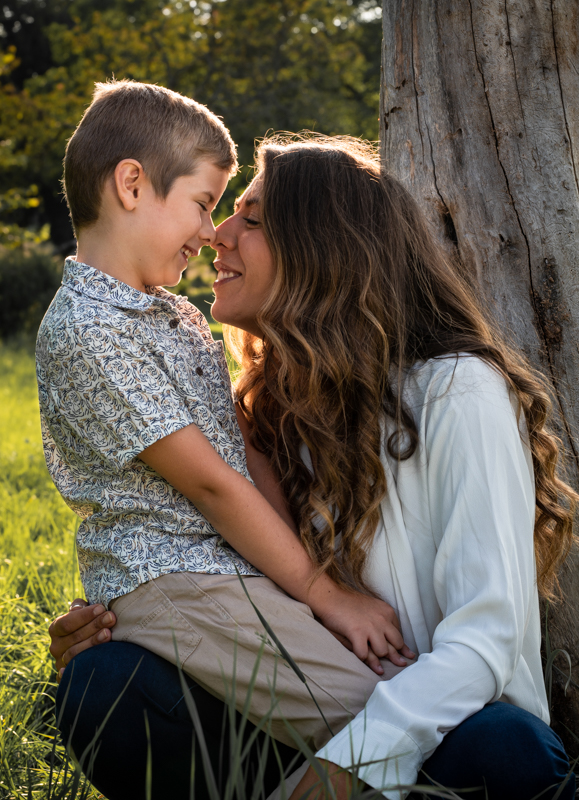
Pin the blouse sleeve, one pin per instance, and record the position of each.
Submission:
(481, 502)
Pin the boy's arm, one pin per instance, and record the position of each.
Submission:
(247, 521)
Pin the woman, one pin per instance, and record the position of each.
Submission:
(405, 433)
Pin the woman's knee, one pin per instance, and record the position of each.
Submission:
(101, 705)
(134, 700)
(506, 751)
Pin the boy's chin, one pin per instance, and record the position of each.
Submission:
(171, 279)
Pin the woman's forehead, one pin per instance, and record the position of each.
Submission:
(250, 197)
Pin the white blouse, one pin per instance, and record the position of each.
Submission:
(454, 557)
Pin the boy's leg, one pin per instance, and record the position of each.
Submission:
(219, 635)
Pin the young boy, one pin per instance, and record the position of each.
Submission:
(141, 435)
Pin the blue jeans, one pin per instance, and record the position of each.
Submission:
(511, 752)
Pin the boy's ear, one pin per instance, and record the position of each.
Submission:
(130, 180)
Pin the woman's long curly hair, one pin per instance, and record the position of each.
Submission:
(362, 291)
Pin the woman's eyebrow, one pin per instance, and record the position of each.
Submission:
(248, 201)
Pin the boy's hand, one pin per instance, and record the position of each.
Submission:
(367, 626)
(83, 627)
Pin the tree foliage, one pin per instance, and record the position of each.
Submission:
(260, 64)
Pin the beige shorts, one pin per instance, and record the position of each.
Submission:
(218, 634)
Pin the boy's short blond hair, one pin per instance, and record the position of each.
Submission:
(166, 132)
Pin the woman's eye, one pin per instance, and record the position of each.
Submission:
(251, 221)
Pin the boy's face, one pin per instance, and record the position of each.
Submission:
(172, 230)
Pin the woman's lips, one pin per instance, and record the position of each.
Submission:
(226, 276)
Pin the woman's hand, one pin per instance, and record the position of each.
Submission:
(341, 781)
(367, 626)
(83, 627)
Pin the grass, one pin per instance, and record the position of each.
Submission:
(38, 579)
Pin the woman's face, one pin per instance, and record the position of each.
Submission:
(244, 264)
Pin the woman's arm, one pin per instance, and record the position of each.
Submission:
(480, 500)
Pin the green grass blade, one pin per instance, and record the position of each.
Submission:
(194, 714)
(149, 768)
(287, 657)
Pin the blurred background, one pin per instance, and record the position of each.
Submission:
(262, 65)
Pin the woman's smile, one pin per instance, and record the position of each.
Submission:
(224, 274)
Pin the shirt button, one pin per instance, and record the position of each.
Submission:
(174, 323)
(199, 371)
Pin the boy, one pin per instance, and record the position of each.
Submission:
(141, 435)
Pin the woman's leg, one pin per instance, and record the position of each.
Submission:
(92, 683)
(219, 635)
(511, 752)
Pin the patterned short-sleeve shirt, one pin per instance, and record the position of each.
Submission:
(118, 370)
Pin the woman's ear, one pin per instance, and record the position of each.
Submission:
(129, 181)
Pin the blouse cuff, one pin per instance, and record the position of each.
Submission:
(359, 743)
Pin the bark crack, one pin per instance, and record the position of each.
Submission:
(412, 17)
(445, 211)
(561, 95)
(510, 46)
(544, 337)
(447, 219)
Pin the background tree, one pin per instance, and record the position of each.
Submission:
(479, 120)
(264, 64)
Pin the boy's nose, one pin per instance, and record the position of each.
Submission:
(207, 232)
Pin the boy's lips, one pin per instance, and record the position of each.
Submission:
(188, 253)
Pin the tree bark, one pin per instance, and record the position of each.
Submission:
(479, 121)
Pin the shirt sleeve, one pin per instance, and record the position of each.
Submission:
(113, 395)
(481, 501)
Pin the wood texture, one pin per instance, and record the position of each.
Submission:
(480, 120)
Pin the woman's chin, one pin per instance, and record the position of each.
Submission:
(218, 314)
(241, 325)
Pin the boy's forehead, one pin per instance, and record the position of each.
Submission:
(208, 179)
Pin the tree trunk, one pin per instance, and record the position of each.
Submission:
(479, 120)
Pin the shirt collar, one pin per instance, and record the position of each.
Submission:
(98, 285)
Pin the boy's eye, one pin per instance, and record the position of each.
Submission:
(203, 206)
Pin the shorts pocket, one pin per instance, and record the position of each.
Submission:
(159, 627)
